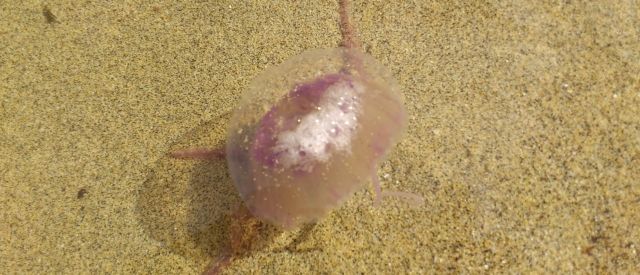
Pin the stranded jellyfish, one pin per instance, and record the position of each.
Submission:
(310, 132)
(306, 135)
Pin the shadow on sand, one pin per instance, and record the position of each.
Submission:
(186, 205)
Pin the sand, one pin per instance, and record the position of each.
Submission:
(524, 136)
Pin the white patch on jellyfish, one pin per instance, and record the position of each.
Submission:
(331, 127)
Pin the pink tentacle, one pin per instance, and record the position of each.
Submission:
(376, 189)
(218, 265)
(349, 39)
(414, 199)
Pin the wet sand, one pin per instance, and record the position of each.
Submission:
(524, 136)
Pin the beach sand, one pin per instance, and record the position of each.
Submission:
(524, 136)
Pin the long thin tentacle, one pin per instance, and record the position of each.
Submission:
(376, 188)
(349, 37)
(219, 265)
(414, 199)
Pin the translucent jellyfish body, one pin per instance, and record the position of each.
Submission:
(308, 133)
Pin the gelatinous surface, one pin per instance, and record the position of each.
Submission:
(308, 133)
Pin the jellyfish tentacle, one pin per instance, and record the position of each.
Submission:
(219, 264)
(199, 154)
(414, 200)
(376, 188)
(244, 231)
(349, 36)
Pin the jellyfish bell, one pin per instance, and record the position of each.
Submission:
(308, 133)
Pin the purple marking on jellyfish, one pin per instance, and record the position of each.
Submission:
(312, 91)
(286, 115)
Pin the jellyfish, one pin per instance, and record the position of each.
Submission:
(308, 134)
